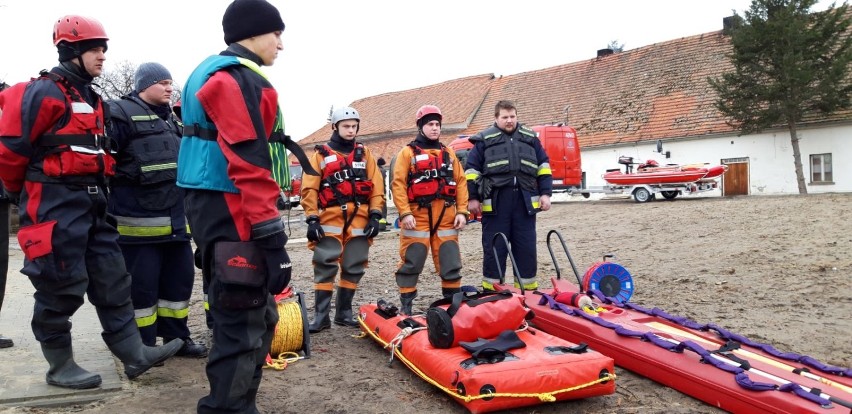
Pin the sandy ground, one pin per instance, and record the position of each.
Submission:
(773, 268)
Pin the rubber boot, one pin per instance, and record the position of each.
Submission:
(64, 372)
(343, 308)
(449, 292)
(322, 306)
(139, 358)
(406, 300)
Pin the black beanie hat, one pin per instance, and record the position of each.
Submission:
(427, 119)
(246, 18)
(68, 50)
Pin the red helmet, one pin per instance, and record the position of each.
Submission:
(428, 110)
(74, 29)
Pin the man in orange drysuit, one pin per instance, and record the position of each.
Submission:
(343, 207)
(430, 177)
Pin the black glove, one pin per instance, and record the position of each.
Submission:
(278, 266)
(279, 270)
(372, 229)
(315, 231)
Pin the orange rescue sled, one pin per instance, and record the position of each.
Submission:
(546, 369)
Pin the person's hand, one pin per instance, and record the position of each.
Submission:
(278, 269)
(315, 231)
(14, 197)
(474, 206)
(460, 222)
(372, 229)
(408, 222)
(544, 202)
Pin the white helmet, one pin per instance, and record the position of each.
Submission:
(342, 114)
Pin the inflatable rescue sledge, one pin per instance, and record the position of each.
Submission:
(478, 349)
(705, 361)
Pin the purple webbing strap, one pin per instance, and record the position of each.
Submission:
(798, 390)
(727, 335)
(740, 374)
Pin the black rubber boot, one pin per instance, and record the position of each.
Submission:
(64, 372)
(322, 306)
(6, 342)
(449, 292)
(139, 358)
(343, 308)
(406, 301)
(190, 349)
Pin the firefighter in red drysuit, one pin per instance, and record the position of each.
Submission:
(343, 208)
(430, 177)
(55, 161)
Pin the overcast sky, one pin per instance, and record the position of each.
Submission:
(338, 51)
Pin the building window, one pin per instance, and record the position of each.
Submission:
(821, 168)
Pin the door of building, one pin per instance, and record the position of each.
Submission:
(735, 181)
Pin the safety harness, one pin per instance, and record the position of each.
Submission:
(344, 180)
(431, 178)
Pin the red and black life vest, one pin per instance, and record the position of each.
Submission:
(431, 177)
(344, 179)
(77, 152)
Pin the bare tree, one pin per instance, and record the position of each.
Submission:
(117, 82)
(615, 46)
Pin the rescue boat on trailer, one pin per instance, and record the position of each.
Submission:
(517, 367)
(705, 361)
(651, 173)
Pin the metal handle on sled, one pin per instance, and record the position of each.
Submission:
(511, 257)
(570, 259)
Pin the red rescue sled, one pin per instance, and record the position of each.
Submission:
(546, 369)
(705, 361)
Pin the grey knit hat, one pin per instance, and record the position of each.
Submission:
(148, 74)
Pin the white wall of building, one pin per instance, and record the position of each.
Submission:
(769, 154)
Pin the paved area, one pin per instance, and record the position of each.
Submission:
(22, 367)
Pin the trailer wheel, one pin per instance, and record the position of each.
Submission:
(641, 195)
(669, 195)
(586, 195)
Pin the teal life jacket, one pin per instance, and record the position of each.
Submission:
(201, 163)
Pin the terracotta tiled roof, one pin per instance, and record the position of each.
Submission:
(390, 116)
(660, 91)
(653, 92)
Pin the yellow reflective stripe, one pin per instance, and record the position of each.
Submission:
(545, 171)
(144, 117)
(172, 309)
(529, 164)
(173, 313)
(144, 226)
(206, 304)
(496, 134)
(535, 200)
(496, 163)
(486, 206)
(159, 167)
(144, 231)
(528, 285)
(471, 176)
(145, 317)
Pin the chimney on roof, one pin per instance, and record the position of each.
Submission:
(604, 52)
(731, 23)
